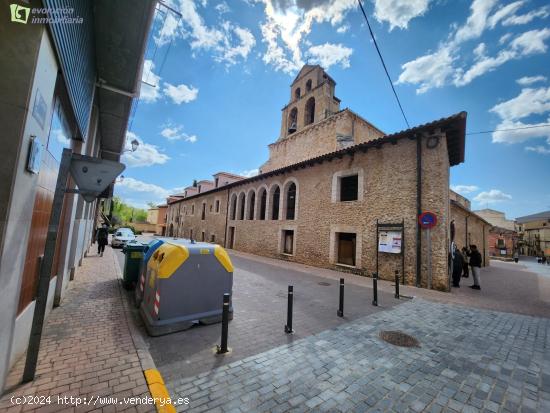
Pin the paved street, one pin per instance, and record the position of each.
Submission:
(260, 301)
(469, 361)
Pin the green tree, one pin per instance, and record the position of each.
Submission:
(126, 214)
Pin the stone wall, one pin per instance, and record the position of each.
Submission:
(318, 139)
(388, 188)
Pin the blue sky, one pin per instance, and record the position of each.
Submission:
(216, 78)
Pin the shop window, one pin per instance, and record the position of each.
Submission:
(288, 241)
(346, 248)
(349, 186)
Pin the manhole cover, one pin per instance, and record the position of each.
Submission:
(398, 338)
(324, 284)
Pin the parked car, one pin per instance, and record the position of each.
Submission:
(122, 236)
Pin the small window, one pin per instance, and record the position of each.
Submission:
(212, 238)
(211, 206)
(291, 201)
(349, 188)
(252, 201)
(216, 181)
(190, 234)
(297, 93)
(203, 214)
(193, 209)
(242, 200)
(288, 241)
(308, 85)
(199, 189)
(203, 236)
(217, 205)
(346, 248)
(233, 206)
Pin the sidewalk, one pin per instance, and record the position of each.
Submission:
(87, 349)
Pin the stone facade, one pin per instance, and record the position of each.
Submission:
(470, 229)
(300, 209)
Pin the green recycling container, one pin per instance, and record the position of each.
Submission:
(134, 255)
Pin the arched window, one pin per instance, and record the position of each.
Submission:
(291, 201)
(308, 85)
(251, 202)
(297, 93)
(263, 202)
(292, 120)
(310, 111)
(233, 206)
(275, 203)
(242, 199)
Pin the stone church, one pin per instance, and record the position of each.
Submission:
(333, 182)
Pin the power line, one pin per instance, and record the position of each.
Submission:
(508, 130)
(383, 63)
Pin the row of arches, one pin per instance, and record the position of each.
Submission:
(309, 115)
(273, 203)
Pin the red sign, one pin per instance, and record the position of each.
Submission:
(427, 220)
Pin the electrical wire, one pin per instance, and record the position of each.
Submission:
(383, 63)
(510, 129)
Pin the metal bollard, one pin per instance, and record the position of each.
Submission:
(375, 289)
(288, 326)
(397, 284)
(225, 324)
(340, 312)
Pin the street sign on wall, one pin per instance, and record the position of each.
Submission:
(427, 220)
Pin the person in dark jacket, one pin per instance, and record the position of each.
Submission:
(465, 265)
(475, 263)
(458, 262)
(102, 237)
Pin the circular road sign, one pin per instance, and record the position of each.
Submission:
(427, 220)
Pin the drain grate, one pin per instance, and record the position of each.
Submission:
(398, 338)
(324, 284)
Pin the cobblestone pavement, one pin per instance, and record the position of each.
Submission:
(470, 360)
(260, 304)
(87, 349)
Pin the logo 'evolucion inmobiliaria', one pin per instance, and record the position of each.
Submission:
(63, 15)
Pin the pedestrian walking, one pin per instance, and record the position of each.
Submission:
(475, 263)
(516, 256)
(466, 259)
(458, 263)
(102, 237)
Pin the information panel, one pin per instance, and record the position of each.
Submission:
(390, 241)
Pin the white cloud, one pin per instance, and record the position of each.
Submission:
(288, 22)
(444, 67)
(492, 196)
(398, 13)
(543, 150)
(329, 54)
(530, 102)
(180, 93)
(529, 80)
(222, 8)
(175, 133)
(134, 185)
(145, 155)
(150, 85)
(229, 43)
(139, 193)
(541, 12)
(343, 29)
(428, 71)
(464, 189)
(249, 173)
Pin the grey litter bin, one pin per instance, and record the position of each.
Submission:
(185, 286)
